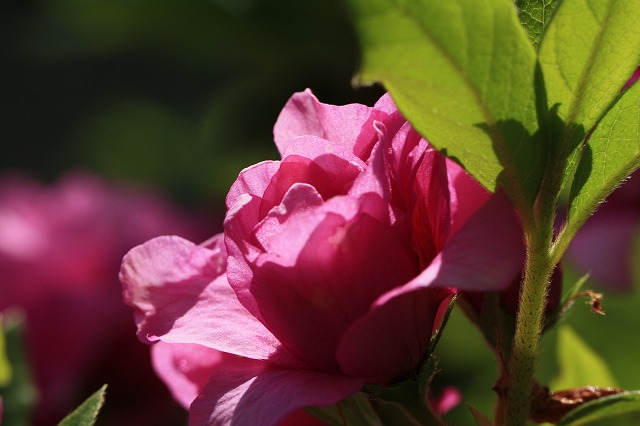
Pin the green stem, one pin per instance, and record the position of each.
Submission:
(529, 322)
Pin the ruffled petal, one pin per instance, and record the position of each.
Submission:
(303, 115)
(248, 392)
(308, 292)
(430, 212)
(327, 167)
(487, 254)
(252, 181)
(180, 294)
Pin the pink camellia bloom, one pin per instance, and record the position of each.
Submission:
(332, 268)
(60, 249)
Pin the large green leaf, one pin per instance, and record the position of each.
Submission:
(587, 53)
(604, 408)
(578, 364)
(612, 154)
(462, 72)
(87, 412)
(535, 16)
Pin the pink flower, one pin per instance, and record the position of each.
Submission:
(447, 400)
(604, 245)
(333, 266)
(60, 248)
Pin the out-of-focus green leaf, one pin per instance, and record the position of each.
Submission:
(578, 364)
(589, 50)
(5, 366)
(18, 394)
(87, 412)
(535, 16)
(462, 72)
(480, 418)
(612, 154)
(603, 409)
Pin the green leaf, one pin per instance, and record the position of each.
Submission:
(589, 50)
(603, 408)
(87, 412)
(5, 365)
(612, 154)
(578, 364)
(19, 394)
(535, 16)
(462, 72)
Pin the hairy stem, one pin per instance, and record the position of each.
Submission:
(529, 321)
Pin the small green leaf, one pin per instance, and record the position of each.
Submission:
(589, 50)
(603, 408)
(612, 154)
(535, 16)
(462, 72)
(87, 412)
(578, 364)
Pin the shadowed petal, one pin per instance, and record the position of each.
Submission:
(485, 255)
(348, 259)
(247, 393)
(185, 368)
(392, 338)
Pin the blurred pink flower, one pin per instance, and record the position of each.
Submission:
(334, 264)
(60, 248)
(604, 245)
(448, 399)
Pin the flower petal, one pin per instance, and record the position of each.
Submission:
(246, 392)
(391, 338)
(185, 368)
(467, 195)
(307, 295)
(180, 294)
(487, 254)
(253, 181)
(303, 114)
